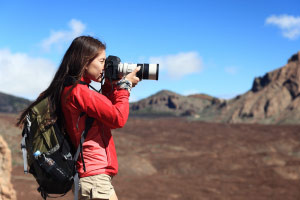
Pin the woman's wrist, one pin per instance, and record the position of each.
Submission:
(124, 84)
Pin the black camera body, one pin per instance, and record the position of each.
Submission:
(111, 68)
(115, 70)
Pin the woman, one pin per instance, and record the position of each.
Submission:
(84, 61)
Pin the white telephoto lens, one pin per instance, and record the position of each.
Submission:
(125, 68)
(147, 71)
(153, 72)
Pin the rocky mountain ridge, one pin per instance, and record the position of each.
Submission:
(274, 98)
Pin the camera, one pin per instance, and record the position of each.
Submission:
(115, 70)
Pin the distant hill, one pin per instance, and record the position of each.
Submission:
(273, 99)
(167, 102)
(12, 104)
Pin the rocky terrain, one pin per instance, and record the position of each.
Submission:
(7, 191)
(177, 158)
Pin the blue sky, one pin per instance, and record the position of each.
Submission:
(212, 47)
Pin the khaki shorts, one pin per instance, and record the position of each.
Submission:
(95, 187)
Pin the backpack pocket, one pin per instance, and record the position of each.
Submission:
(45, 138)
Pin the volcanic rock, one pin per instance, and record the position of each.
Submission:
(6, 189)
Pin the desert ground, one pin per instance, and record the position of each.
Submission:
(178, 158)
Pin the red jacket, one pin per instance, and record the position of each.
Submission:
(109, 112)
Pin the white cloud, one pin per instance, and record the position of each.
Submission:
(57, 38)
(180, 64)
(289, 25)
(24, 76)
(231, 70)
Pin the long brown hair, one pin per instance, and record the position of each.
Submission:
(82, 51)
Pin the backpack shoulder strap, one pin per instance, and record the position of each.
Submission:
(88, 124)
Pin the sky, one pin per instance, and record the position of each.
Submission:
(214, 47)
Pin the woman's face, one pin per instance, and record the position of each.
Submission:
(95, 69)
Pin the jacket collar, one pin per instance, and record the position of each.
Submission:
(85, 79)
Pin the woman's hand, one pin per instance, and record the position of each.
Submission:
(132, 77)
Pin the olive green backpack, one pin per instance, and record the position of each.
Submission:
(48, 151)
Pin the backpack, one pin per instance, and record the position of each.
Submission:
(49, 152)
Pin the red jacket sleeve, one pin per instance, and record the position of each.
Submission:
(108, 90)
(111, 112)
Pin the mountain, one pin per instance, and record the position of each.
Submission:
(167, 103)
(12, 104)
(273, 98)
